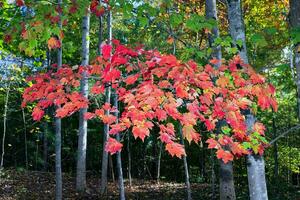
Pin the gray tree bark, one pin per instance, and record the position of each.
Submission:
(103, 188)
(255, 170)
(186, 169)
(119, 159)
(237, 26)
(213, 176)
(25, 137)
(58, 170)
(276, 172)
(255, 163)
(45, 147)
(82, 138)
(227, 191)
(100, 33)
(294, 20)
(158, 162)
(4, 124)
(129, 160)
(211, 13)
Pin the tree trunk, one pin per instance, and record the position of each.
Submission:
(237, 27)
(111, 168)
(255, 166)
(129, 161)
(255, 170)
(294, 20)
(186, 169)
(100, 33)
(106, 126)
(158, 162)
(82, 138)
(256, 177)
(25, 138)
(4, 124)
(45, 147)
(119, 159)
(211, 13)
(227, 191)
(58, 170)
(213, 176)
(202, 163)
(275, 152)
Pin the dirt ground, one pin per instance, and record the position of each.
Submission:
(39, 185)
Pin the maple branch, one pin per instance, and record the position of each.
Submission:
(284, 133)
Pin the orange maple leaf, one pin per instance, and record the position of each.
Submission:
(175, 149)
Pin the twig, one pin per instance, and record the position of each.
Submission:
(284, 133)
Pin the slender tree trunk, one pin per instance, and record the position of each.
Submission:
(186, 169)
(36, 153)
(100, 33)
(213, 177)
(237, 27)
(294, 20)
(256, 177)
(45, 147)
(255, 163)
(211, 13)
(25, 138)
(202, 163)
(82, 138)
(129, 160)
(227, 191)
(275, 152)
(119, 159)
(111, 168)
(4, 124)
(256, 170)
(58, 170)
(158, 162)
(106, 126)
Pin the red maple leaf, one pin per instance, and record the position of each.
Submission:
(37, 113)
(161, 114)
(131, 79)
(20, 3)
(89, 115)
(224, 155)
(212, 143)
(181, 92)
(141, 129)
(106, 51)
(113, 146)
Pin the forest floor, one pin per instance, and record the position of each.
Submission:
(39, 185)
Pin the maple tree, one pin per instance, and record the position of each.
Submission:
(159, 90)
(55, 88)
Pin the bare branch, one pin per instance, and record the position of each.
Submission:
(284, 133)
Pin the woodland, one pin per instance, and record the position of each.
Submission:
(150, 99)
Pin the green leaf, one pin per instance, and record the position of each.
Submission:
(143, 21)
(295, 34)
(258, 40)
(176, 19)
(226, 130)
(239, 43)
(246, 145)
